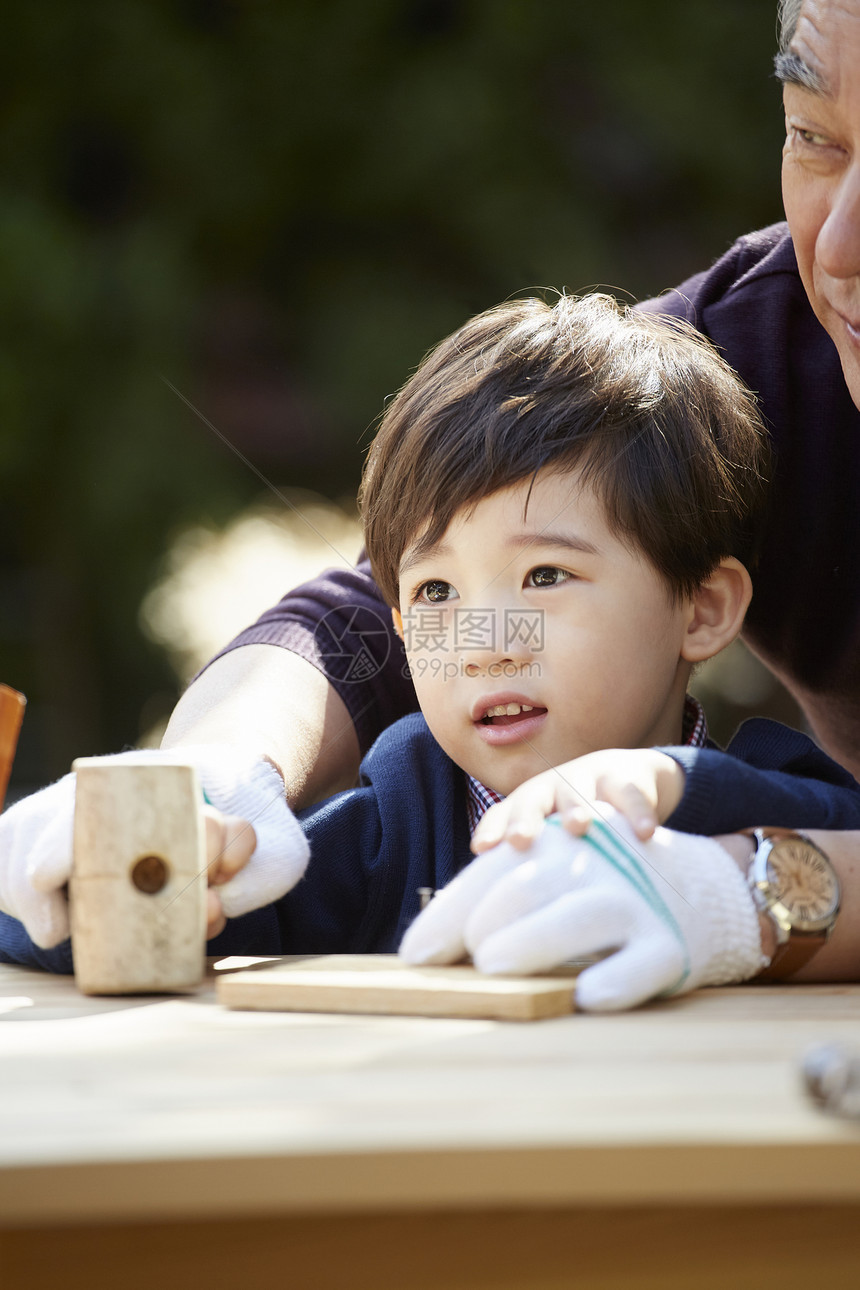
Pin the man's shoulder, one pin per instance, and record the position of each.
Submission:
(758, 264)
(752, 305)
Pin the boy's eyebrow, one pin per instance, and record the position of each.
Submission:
(548, 537)
(420, 552)
(544, 537)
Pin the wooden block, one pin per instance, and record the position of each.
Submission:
(382, 983)
(12, 705)
(138, 887)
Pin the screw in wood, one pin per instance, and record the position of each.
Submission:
(149, 874)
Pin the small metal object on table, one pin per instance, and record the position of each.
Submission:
(831, 1075)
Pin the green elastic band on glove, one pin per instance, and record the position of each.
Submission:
(624, 860)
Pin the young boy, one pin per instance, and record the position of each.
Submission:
(559, 506)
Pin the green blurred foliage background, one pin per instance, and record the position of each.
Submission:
(278, 206)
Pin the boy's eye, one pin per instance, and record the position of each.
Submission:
(436, 592)
(546, 575)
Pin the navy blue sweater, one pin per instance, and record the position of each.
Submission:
(406, 826)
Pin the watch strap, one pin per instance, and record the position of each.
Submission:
(791, 956)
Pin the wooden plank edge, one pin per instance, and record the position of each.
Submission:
(306, 996)
(364, 1182)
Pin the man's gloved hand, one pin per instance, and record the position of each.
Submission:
(36, 860)
(36, 840)
(675, 910)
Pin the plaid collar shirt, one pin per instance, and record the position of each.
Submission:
(694, 734)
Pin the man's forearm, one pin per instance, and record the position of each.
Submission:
(268, 699)
(839, 959)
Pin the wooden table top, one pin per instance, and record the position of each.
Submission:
(176, 1107)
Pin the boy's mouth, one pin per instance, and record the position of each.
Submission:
(508, 714)
(507, 719)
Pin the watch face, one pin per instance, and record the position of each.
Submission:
(803, 883)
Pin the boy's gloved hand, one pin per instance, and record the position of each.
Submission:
(36, 840)
(675, 910)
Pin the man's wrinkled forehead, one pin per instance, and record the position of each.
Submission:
(810, 57)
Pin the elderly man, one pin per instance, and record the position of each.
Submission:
(784, 306)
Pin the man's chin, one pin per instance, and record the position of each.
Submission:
(851, 371)
(847, 341)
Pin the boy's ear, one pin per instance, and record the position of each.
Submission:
(718, 607)
(398, 622)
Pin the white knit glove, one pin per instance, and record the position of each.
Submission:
(36, 839)
(675, 910)
(36, 860)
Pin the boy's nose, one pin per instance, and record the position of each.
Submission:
(504, 638)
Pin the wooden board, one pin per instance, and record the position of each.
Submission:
(383, 984)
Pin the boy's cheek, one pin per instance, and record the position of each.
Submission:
(419, 671)
(430, 670)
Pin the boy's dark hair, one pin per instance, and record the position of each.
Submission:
(659, 425)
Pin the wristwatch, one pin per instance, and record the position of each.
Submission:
(793, 882)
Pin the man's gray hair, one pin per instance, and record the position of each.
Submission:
(789, 12)
(790, 69)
